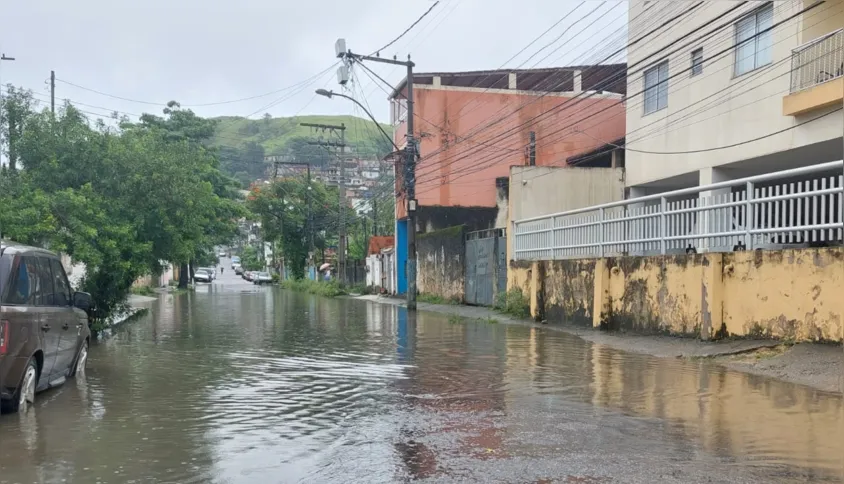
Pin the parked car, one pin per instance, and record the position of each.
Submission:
(210, 270)
(248, 275)
(235, 261)
(238, 269)
(202, 275)
(262, 278)
(221, 254)
(44, 333)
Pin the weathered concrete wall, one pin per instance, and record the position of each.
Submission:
(430, 218)
(540, 190)
(791, 294)
(441, 267)
(569, 291)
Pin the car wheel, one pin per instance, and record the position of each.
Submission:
(25, 395)
(81, 360)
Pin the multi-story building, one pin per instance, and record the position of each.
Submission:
(471, 127)
(731, 89)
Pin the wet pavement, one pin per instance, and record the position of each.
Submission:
(239, 384)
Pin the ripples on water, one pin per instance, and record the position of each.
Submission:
(247, 385)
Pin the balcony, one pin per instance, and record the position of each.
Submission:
(817, 75)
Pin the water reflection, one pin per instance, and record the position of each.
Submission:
(242, 384)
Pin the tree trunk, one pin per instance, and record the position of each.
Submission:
(184, 275)
(192, 269)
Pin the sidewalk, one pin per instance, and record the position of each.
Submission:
(815, 365)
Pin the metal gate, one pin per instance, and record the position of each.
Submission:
(486, 258)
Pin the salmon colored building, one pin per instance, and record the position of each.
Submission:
(471, 127)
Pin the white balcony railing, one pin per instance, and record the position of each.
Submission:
(817, 61)
(797, 207)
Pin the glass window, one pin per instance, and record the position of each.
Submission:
(753, 42)
(697, 61)
(19, 283)
(656, 87)
(45, 277)
(63, 295)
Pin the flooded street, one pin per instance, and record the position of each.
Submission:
(239, 384)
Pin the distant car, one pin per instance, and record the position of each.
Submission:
(221, 254)
(211, 271)
(248, 275)
(235, 261)
(262, 278)
(202, 275)
(238, 269)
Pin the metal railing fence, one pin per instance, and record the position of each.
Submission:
(817, 61)
(796, 207)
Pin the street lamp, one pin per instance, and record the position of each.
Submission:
(330, 94)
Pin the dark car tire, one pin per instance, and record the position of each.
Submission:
(76, 361)
(14, 405)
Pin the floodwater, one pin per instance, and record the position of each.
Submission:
(240, 384)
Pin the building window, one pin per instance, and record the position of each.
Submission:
(656, 87)
(753, 42)
(697, 61)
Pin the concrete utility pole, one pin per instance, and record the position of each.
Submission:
(410, 151)
(342, 204)
(3, 57)
(53, 93)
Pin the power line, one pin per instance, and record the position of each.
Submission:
(217, 103)
(407, 29)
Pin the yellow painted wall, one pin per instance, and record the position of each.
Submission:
(791, 294)
(794, 294)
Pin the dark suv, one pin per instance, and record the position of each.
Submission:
(44, 332)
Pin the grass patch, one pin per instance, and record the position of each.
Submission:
(434, 299)
(514, 303)
(143, 291)
(490, 320)
(320, 288)
(361, 288)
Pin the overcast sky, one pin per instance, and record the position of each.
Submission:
(207, 51)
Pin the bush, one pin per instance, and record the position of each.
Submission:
(360, 288)
(143, 291)
(320, 288)
(276, 278)
(513, 302)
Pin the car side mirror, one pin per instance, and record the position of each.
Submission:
(82, 300)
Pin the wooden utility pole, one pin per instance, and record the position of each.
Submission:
(339, 131)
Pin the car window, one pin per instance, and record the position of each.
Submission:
(62, 295)
(19, 283)
(36, 288)
(45, 282)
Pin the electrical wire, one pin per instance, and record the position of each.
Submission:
(407, 30)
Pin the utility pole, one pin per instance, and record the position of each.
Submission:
(410, 151)
(375, 217)
(3, 57)
(53, 93)
(532, 149)
(341, 146)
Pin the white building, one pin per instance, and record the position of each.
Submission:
(731, 90)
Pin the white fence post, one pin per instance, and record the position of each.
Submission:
(663, 204)
(600, 232)
(749, 222)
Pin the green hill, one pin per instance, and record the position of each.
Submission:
(243, 142)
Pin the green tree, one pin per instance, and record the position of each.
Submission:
(119, 200)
